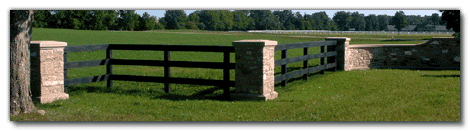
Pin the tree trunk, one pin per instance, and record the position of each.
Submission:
(21, 22)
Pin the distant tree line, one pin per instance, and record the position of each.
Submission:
(95, 20)
(225, 20)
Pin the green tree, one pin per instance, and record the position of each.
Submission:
(241, 20)
(299, 21)
(212, 20)
(264, 19)
(193, 21)
(41, 18)
(399, 20)
(332, 25)
(70, 19)
(159, 26)
(285, 18)
(128, 20)
(321, 20)
(372, 23)
(55, 19)
(383, 21)
(97, 21)
(175, 19)
(413, 19)
(452, 19)
(135, 23)
(227, 18)
(194, 17)
(111, 19)
(309, 22)
(435, 19)
(162, 22)
(342, 19)
(273, 22)
(148, 22)
(357, 21)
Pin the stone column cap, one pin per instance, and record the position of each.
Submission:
(337, 38)
(49, 43)
(256, 42)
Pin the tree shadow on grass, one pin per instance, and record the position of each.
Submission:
(207, 94)
(114, 90)
(435, 69)
(440, 76)
(46, 105)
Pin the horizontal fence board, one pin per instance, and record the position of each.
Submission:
(303, 71)
(322, 43)
(80, 64)
(82, 48)
(83, 80)
(303, 58)
(290, 75)
(173, 80)
(196, 48)
(413, 67)
(213, 65)
(323, 67)
(303, 45)
(290, 60)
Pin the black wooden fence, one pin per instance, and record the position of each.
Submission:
(167, 63)
(331, 54)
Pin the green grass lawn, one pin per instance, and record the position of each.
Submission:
(370, 95)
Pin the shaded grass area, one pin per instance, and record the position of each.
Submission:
(371, 95)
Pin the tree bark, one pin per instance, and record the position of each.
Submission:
(21, 22)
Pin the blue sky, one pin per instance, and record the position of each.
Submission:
(330, 13)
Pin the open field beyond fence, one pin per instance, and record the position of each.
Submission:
(369, 95)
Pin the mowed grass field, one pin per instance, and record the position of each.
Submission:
(370, 95)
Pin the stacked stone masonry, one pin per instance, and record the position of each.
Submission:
(254, 70)
(437, 52)
(47, 71)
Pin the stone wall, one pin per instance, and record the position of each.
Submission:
(437, 53)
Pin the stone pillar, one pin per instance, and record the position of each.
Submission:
(47, 71)
(341, 45)
(254, 70)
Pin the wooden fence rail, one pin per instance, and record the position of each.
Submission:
(166, 63)
(305, 57)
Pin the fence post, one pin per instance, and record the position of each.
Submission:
(47, 71)
(305, 63)
(341, 44)
(254, 70)
(227, 73)
(65, 73)
(167, 71)
(109, 66)
(322, 59)
(284, 67)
